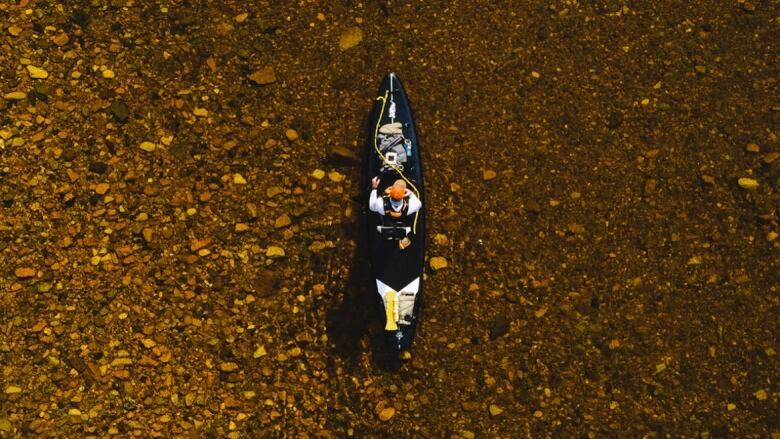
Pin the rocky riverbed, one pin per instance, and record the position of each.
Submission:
(180, 241)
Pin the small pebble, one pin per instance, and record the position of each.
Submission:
(12, 390)
(148, 146)
(37, 72)
(148, 233)
(228, 367)
(291, 134)
(386, 413)
(15, 96)
(60, 39)
(98, 167)
(238, 179)
(24, 272)
(108, 74)
(438, 262)
(274, 252)
(119, 362)
(101, 188)
(200, 112)
(197, 244)
(752, 147)
(282, 221)
(495, 410)
(747, 183)
(488, 174)
(318, 174)
(273, 191)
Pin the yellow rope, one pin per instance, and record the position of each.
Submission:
(376, 147)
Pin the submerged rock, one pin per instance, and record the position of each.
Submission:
(748, 183)
(350, 38)
(437, 263)
(342, 156)
(499, 327)
(264, 76)
(119, 111)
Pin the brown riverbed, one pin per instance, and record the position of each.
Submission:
(180, 255)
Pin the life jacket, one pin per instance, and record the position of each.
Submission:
(392, 213)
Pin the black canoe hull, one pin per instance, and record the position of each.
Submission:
(392, 267)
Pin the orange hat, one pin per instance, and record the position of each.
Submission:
(397, 192)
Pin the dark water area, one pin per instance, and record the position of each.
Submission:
(181, 250)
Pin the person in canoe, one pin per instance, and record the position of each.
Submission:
(395, 204)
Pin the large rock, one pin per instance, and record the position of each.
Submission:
(342, 156)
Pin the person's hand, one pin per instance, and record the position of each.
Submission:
(375, 182)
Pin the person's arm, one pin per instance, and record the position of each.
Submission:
(414, 203)
(375, 203)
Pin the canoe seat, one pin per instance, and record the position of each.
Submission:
(393, 232)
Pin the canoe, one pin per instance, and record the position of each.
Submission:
(393, 154)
